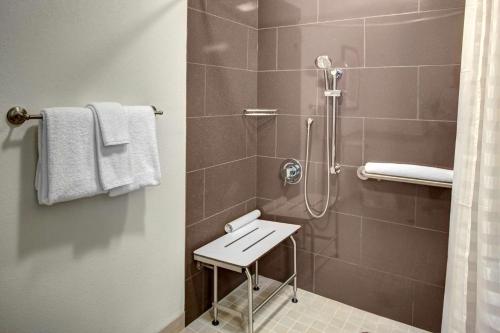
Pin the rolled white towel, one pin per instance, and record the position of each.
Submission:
(242, 221)
(410, 171)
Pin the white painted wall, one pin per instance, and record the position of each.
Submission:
(99, 264)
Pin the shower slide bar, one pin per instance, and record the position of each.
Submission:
(363, 175)
(17, 115)
(260, 112)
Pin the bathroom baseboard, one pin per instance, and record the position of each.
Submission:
(175, 326)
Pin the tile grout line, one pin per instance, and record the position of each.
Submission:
(276, 136)
(219, 212)
(415, 208)
(205, 91)
(317, 93)
(364, 42)
(276, 50)
(204, 193)
(248, 40)
(418, 92)
(221, 66)
(317, 11)
(457, 9)
(363, 142)
(223, 163)
(373, 218)
(322, 116)
(361, 240)
(345, 68)
(410, 279)
(222, 18)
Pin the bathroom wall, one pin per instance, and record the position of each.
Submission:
(382, 247)
(221, 143)
(97, 264)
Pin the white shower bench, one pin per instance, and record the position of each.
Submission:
(238, 250)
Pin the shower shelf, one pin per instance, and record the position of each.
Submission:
(260, 112)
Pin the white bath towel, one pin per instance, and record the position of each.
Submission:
(67, 166)
(113, 161)
(113, 121)
(242, 221)
(143, 150)
(410, 171)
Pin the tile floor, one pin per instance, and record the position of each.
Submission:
(313, 314)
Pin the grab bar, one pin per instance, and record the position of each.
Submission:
(363, 175)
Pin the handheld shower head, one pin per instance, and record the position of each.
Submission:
(323, 62)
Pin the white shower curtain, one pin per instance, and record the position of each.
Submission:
(472, 294)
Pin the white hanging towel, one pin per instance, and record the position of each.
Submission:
(410, 171)
(143, 150)
(67, 166)
(113, 158)
(113, 122)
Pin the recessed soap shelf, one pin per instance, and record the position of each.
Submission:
(260, 112)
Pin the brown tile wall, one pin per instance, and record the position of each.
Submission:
(221, 144)
(382, 246)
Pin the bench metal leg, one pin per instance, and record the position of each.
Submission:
(256, 278)
(215, 322)
(294, 299)
(250, 300)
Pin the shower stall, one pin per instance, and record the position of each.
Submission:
(352, 82)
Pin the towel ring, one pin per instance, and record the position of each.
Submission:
(17, 115)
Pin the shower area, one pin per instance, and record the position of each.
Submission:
(353, 82)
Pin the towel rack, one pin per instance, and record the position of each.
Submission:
(362, 174)
(17, 115)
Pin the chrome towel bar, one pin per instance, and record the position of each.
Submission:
(17, 115)
(260, 112)
(362, 174)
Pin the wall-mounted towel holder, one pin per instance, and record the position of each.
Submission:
(17, 115)
(363, 175)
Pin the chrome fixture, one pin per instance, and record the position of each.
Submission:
(331, 75)
(17, 115)
(291, 171)
(363, 175)
(260, 112)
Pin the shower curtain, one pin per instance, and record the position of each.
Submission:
(472, 294)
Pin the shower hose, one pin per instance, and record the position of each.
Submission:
(328, 150)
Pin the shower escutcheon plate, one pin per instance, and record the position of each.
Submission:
(291, 171)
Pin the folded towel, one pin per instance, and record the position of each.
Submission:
(113, 161)
(143, 150)
(113, 121)
(67, 166)
(410, 171)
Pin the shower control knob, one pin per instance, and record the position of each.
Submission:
(291, 171)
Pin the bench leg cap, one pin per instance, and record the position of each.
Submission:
(215, 322)
(294, 300)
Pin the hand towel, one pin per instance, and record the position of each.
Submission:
(113, 162)
(67, 166)
(113, 121)
(410, 171)
(143, 150)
